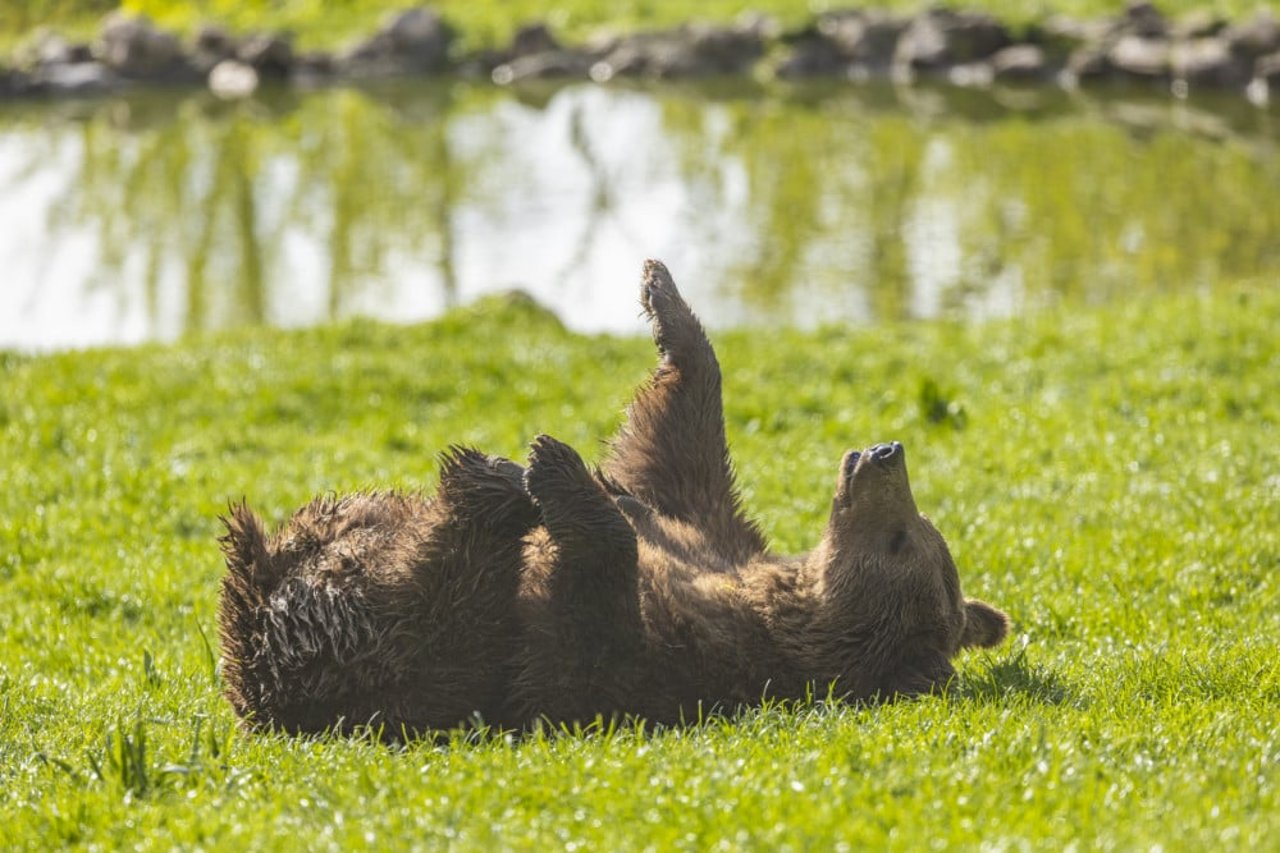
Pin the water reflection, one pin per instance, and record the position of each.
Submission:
(147, 217)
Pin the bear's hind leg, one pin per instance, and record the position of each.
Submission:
(468, 580)
(474, 549)
(484, 493)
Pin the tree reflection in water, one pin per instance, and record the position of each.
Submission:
(804, 206)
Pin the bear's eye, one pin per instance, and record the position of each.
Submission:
(898, 542)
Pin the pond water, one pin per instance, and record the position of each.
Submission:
(147, 217)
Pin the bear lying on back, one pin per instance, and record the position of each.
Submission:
(561, 593)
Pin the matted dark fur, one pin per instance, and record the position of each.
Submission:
(384, 609)
(561, 593)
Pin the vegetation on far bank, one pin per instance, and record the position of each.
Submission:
(1110, 477)
(329, 24)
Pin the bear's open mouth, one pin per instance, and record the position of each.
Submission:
(850, 464)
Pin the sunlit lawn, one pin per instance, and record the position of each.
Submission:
(1111, 478)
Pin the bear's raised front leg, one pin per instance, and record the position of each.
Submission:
(593, 584)
(671, 452)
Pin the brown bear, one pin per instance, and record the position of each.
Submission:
(647, 592)
(382, 609)
(558, 593)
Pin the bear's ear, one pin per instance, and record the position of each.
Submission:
(983, 625)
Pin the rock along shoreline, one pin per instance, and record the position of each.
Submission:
(1137, 46)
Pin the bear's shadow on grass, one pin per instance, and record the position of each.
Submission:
(1002, 680)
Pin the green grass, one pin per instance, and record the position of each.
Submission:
(1111, 478)
(325, 24)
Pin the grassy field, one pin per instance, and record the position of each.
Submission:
(1111, 478)
(326, 24)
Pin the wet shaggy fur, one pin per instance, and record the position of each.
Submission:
(561, 593)
(381, 609)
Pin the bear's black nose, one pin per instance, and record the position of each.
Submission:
(883, 452)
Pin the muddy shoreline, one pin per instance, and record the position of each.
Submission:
(1137, 47)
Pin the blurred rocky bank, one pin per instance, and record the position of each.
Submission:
(1138, 46)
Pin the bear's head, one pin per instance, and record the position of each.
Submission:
(887, 573)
